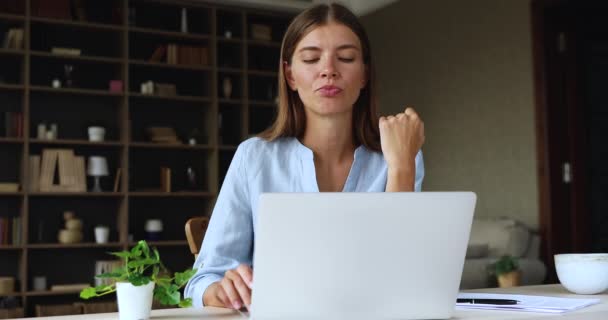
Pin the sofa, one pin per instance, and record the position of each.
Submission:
(492, 238)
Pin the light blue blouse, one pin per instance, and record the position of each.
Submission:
(283, 165)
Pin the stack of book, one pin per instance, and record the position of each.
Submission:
(10, 231)
(181, 54)
(71, 171)
(13, 39)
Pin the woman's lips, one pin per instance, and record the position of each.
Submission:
(329, 91)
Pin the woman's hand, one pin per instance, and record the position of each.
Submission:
(233, 291)
(401, 137)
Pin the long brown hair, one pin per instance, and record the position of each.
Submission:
(291, 119)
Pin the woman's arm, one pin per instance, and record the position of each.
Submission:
(401, 137)
(228, 241)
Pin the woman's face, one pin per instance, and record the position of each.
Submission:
(327, 70)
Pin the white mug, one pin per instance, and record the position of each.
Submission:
(96, 134)
(102, 234)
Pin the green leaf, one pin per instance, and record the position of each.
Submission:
(138, 279)
(88, 293)
(121, 254)
(186, 303)
(181, 278)
(110, 275)
(142, 262)
(145, 249)
(136, 251)
(167, 295)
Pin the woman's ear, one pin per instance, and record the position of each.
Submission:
(289, 76)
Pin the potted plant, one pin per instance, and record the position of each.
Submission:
(141, 278)
(506, 270)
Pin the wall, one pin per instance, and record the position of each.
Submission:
(467, 68)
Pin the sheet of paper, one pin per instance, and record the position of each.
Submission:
(526, 303)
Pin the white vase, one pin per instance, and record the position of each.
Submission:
(227, 87)
(134, 302)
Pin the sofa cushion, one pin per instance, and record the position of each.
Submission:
(503, 236)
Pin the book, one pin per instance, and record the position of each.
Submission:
(65, 51)
(117, 179)
(34, 173)
(158, 54)
(165, 179)
(16, 231)
(69, 287)
(9, 187)
(81, 180)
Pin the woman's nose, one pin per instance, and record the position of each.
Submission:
(329, 71)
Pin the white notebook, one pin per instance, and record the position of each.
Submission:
(526, 303)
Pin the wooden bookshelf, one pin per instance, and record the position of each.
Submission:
(117, 41)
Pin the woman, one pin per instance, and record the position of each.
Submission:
(326, 138)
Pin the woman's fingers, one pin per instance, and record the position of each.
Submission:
(230, 290)
(236, 287)
(242, 289)
(246, 274)
(221, 295)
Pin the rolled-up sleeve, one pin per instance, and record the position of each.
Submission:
(419, 172)
(228, 241)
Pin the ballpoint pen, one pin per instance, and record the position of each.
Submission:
(487, 301)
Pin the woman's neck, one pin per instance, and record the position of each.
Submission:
(330, 138)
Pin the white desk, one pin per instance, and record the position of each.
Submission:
(595, 312)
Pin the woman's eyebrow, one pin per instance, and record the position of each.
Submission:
(341, 47)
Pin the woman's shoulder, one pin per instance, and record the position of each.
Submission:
(259, 148)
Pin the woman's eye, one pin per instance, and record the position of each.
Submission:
(347, 59)
(313, 60)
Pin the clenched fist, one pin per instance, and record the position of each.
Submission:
(401, 137)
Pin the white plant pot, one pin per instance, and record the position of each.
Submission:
(134, 302)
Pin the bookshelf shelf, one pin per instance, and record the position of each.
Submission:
(50, 55)
(10, 247)
(168, 34)
(11, 17)
(231, 101)
(14, 52)
(151, 145)
(74, 142)
(78, 91)
(261, 103)
(170, 66)
(230, 70)
(262, 73)
(51, 293)
(179, 194)
(5, 140)
(5, 86)
(77, 194)
(123, 44)
(170, 98)
(166, 243)
(76, 24)
(11, 194)
(230, 40)
(73, 246)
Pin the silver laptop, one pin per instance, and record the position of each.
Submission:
(360, 255)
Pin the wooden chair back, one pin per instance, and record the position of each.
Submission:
(195, 232)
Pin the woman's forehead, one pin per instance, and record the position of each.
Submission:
(331, 36)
